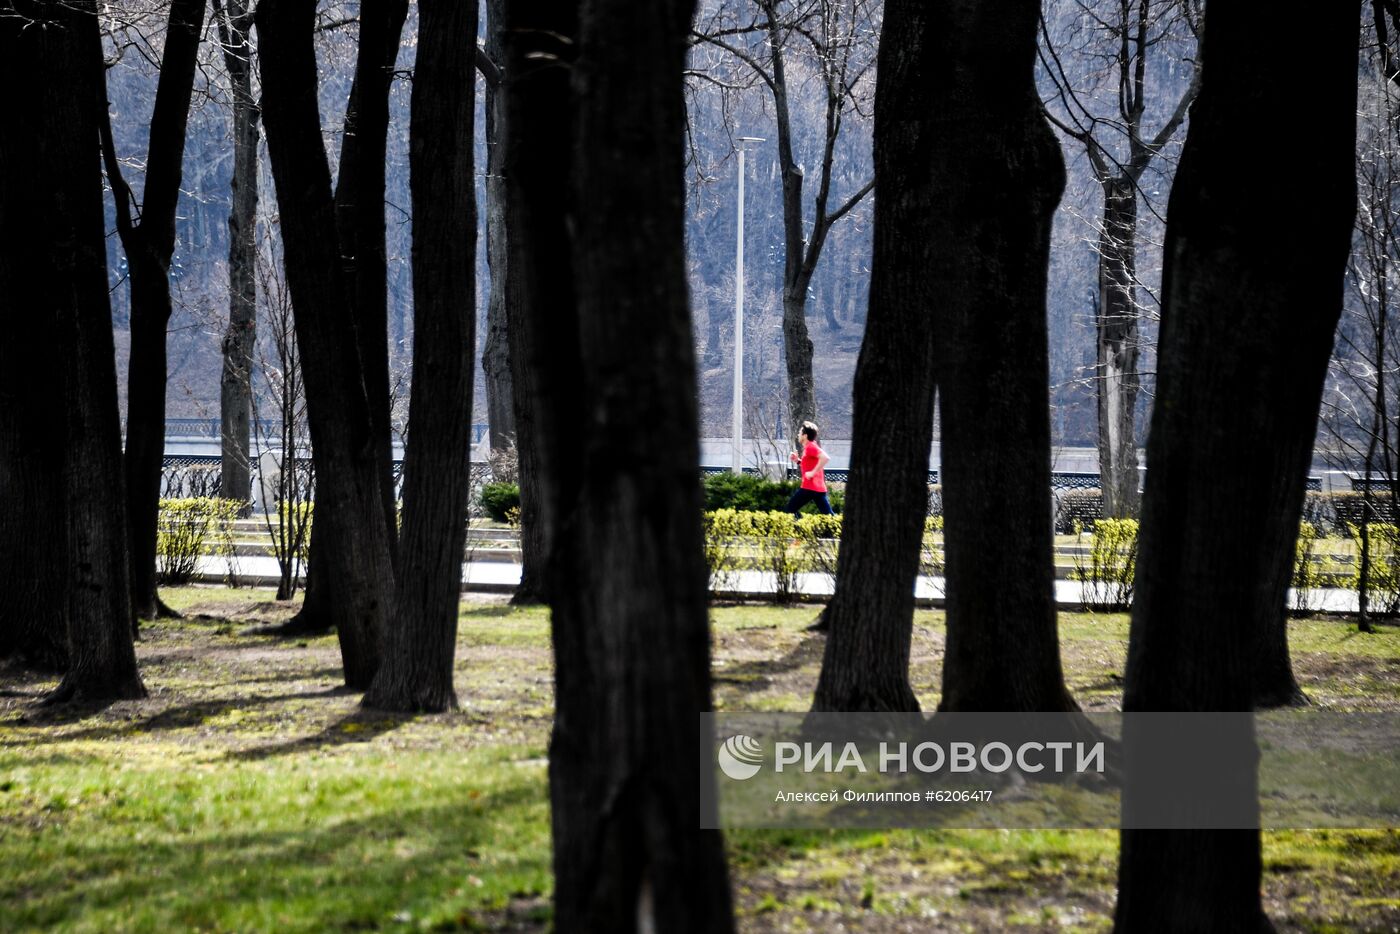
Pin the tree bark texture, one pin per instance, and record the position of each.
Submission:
(236, 381)
(521, 339)
(359, 225)
(360, 233)
(595, 164)
(1116, 325)
(866, 662)
(33, 540)
(495, 354)
(52, 52)
(998, 173)
(419, 644)
(149, 245)
(1252, 290)
(354, 544)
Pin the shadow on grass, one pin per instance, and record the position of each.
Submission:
(359, 726)
(180, 717)
(758, 675)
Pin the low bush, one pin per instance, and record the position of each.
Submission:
(185, 529)
(1110, 570)
(498, 499)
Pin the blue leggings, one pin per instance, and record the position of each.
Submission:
(803, 497)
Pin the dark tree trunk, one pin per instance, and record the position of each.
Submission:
(1247, 324)
(52, 129)
(495, 354)
(1117, 328)
(628, 584)
(419, 643)
(33, 626)
(33, 541)
(236, 383)
(361, 181)
(149, 245)
(354, 543)
(521, 341)
(866, 662)
(359, 225)
(998, 174)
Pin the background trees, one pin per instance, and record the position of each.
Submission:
(1119, 118)
(833, 43)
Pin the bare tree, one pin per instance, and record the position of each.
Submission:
(835, 39)
(147, 231)
(1359, 413)
(279, 422)
(1111, 119)
(235, 22)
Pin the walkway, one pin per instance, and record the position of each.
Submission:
(504, 576)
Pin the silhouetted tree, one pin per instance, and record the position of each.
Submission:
(971, 175)
(148, 237)
(421, 637)
(354, 541)
(594, 163)
(50, 60)
(1247, 324)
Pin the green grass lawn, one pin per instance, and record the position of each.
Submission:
(250, 793)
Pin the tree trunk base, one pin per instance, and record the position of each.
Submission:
(421, 700)
(73, 691)
(307, 622)
(1283, 696)
(822, 624)
(526, 597)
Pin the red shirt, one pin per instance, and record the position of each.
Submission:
(811, 454)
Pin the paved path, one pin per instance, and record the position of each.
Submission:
(503, 577)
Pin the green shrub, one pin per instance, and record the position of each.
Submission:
(725, 531)
(752, 493)
(499, 498)
(184, 529)
(1382, 547)
(820, 538)
(1111, 569)
(775, 534)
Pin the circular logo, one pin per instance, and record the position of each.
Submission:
(740, 757)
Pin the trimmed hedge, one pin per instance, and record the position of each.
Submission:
(751, 493)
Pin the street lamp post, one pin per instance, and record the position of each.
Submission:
(737, 438)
